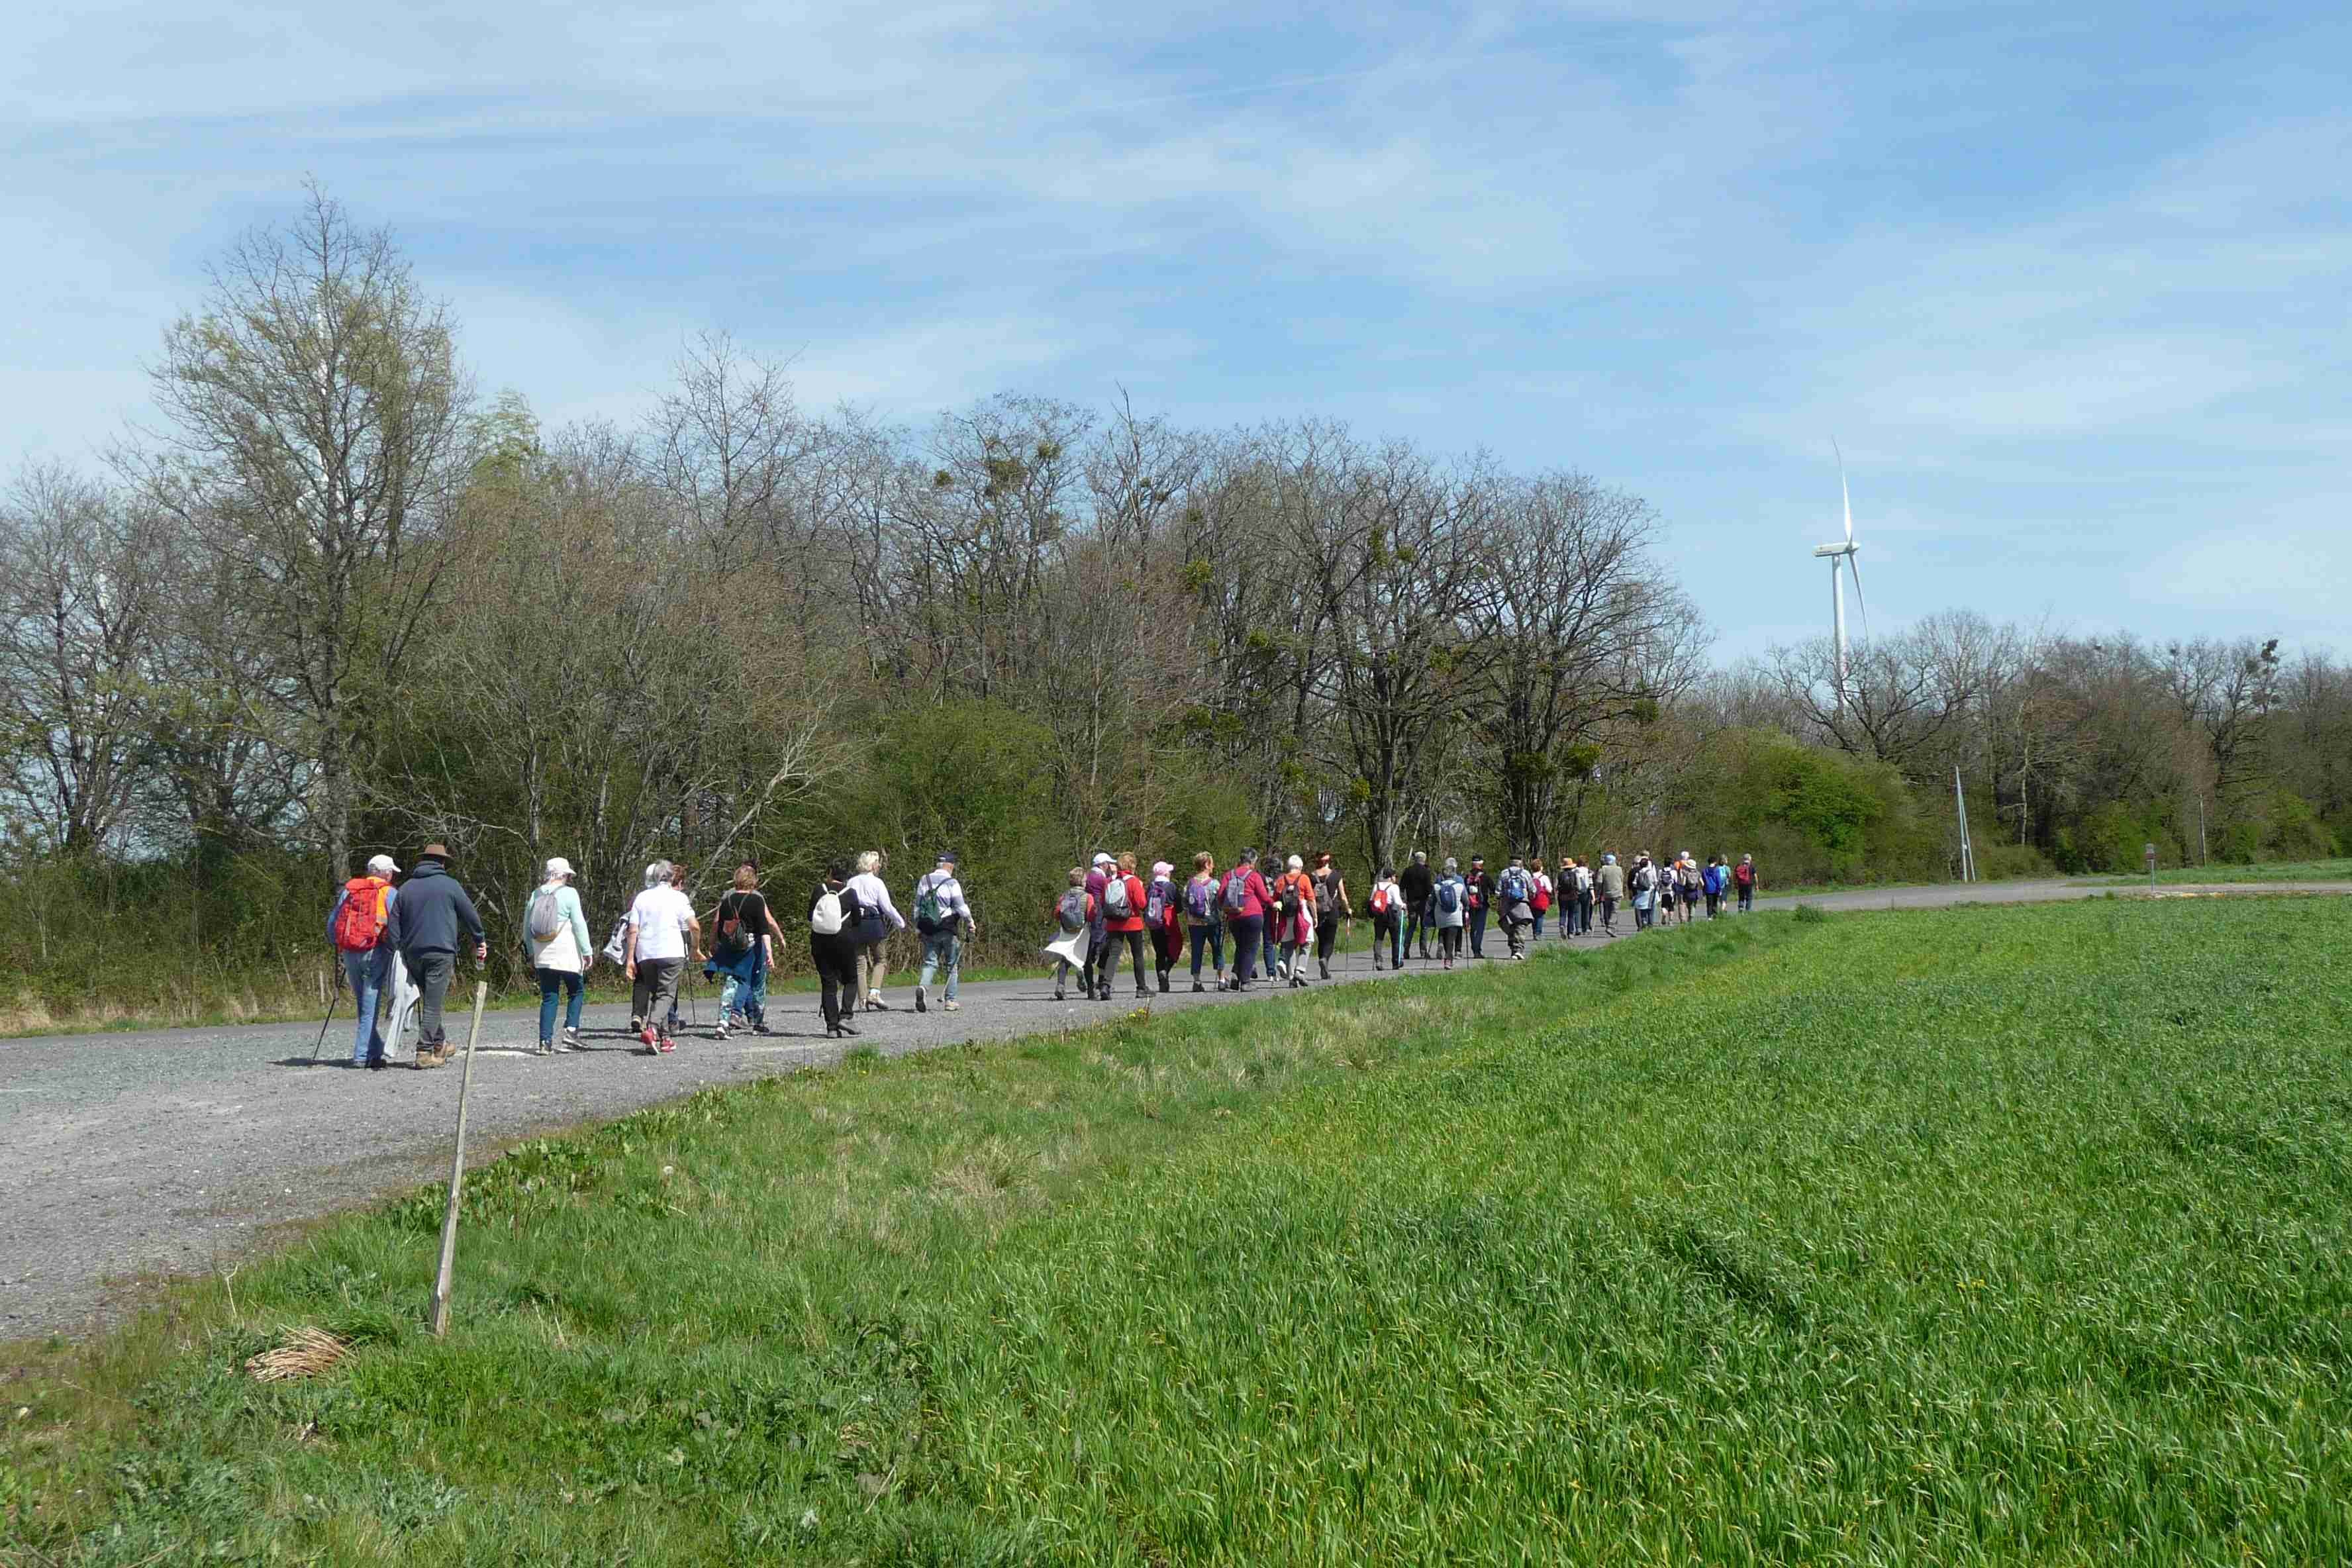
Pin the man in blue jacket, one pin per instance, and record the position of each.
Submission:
(427, 918)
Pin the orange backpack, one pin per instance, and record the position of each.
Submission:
(359, 925)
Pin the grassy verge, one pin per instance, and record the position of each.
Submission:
(2277, 871)
(1965, 1235)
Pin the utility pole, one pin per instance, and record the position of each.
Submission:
(1967, 847)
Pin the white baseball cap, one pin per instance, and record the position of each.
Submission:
(1103, 859)
(381, 866)
(557, 865)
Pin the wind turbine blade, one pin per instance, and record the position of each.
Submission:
(1843, 494)
(1854, 564)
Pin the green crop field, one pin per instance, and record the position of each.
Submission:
(1999, 1234)
(2270, 871)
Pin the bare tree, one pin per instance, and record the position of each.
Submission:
(319, 430)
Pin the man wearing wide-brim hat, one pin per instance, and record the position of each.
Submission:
(427, 919)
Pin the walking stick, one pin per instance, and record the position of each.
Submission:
(324, 1024)
(456, 1175)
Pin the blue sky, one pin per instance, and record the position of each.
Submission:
(2069, 283)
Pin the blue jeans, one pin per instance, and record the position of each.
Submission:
(549, 982)
(1479, 932)
(1214, 935)
(941, 949)
(366, 974)
(1540, 915)
(748, 997)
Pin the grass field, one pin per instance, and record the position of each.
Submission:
(2276, 871)
(1978, 1235)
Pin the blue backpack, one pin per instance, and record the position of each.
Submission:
(1449, 896)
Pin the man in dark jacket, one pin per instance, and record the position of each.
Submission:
(1481, 898)
(1417, 885)
(427, 918)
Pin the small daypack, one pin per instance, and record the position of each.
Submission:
(1744, 874)
(929, 919)
(1072, 911)
(1449, 896)
(1116, 902)
(1160, 911)
(1199, 900)
(1382, 898)
(544, 919)
(1236, 891)
(617, 950)
(736, 936)
(359, 925)
(829, 915)
(1515, 886)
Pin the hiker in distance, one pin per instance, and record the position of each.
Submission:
(744, 938)
(943, 920)
(427, 919)
(1515, 893)
(355, 926)
(1743, 878)
(561, 951)
(1122, 919)
(1203, 926)
(1331, 907)
(833, 947)
(1418, 884)
(1387, 904)
(1163, 920)
(1478, 899)
(1610, 883)
(1098, 875)
(661, 921)
(1542, 901)
(1449, 907)
(1247, 904)
(1294, 903)
(878, 917)
(1074, 918)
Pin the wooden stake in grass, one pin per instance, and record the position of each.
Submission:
(456, 1173)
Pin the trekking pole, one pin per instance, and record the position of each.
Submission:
(456, 1175)
(324, 1024)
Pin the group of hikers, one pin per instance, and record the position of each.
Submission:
(399, 944)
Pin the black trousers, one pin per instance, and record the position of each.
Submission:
(1419, 922)
(1327, 937)
(836, 973)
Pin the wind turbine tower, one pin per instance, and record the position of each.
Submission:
(1842, 558)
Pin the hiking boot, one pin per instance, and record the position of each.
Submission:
(1323, 967)
(636, 1024)
(761, 1029)
(1143, 992)
(921, 1005)
(1198, 987)
(1058, 997)
(1163, 984)
(428, 1056)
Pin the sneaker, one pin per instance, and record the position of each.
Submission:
(636, 1024)
(921, 1005)
(950, 1006)
(1057, 995)
(646, 1033)
(569, 1042)
(873, 1003)
(666, 1046)
(547, 1047)
(761, 1029)
(1198, 987)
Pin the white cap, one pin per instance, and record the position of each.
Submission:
(557, 865)
(1103, 859)
(381, 866)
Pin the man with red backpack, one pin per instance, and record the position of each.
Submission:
(356, 926)
(1743, 878)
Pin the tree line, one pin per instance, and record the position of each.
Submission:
(339, 600)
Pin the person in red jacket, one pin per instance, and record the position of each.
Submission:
(1246, 900)
(1122, 917)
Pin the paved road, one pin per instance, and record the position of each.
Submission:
(124, 1156)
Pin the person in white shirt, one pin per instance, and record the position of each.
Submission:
(943, 919)
(880, 918)
(661, 924)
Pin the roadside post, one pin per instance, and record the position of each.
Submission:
(456, 1175)
(2150, 855)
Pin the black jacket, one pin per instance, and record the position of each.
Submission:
(429, 911)
(1417, 884)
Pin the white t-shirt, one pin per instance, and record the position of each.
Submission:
(661, 915)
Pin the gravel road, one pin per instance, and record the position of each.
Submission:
(128, 1156)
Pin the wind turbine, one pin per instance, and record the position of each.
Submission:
(1843, 556)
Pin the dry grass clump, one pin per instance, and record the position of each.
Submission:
(305, 1351)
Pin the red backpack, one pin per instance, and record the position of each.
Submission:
(358, 923)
